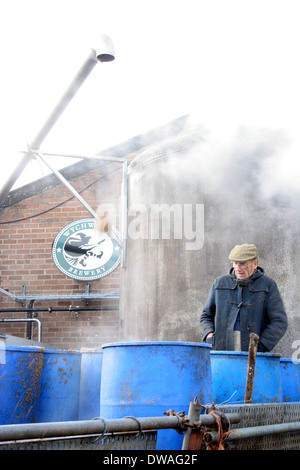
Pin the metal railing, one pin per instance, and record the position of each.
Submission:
(200, 431)
(25, 320)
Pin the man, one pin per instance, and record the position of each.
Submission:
(242, 302)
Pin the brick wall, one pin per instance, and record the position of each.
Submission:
(26, 260)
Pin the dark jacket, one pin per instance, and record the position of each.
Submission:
(257, 303)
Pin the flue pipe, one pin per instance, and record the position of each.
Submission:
(25, 320)
(105, 53)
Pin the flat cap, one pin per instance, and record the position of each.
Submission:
(245, 252)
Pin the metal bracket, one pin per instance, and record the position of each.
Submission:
(87, 292)
(81, 297)
(123, 243)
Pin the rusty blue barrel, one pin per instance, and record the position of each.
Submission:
(229, 375)
(90, 383)
(290, 379)
(146, 379)
(59, 397)
(20, 383)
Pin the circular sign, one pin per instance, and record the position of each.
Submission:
(83, 253)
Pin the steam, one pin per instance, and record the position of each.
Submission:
(247, 161)
(246, 180)
(236, 166)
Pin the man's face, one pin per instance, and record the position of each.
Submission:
(244, 270)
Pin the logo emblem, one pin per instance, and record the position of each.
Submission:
(83, 253)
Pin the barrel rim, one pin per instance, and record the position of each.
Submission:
(245, 353)
(155, 343)
(61, 351)
(290, 360)
(21, 349)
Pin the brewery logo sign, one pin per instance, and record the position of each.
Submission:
(83, 253)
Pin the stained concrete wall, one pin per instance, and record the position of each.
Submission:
(165, 285)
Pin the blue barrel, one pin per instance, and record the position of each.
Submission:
(90, 383)
(20, 383)
(145, 379)
(59, 398)
(290, 379)
(229, 376)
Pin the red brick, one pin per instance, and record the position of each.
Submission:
(27, 260)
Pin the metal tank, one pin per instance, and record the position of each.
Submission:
(191, 198)
(159, 297)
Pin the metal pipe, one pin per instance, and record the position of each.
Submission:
(68, 185)
(96, 426)
(85, 297)
(124, 162)
(256, 431)
(106, 54)
(87, 157)
(73, 191)
(124, 214)
(193, 416)
(8, 294)
(105, 51)
(25, 320)
(209, 419)
(52, 119)
(54, 309)
(66, 98)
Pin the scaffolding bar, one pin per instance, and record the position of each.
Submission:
(57, 309)
(256, 431)
(99, 426)
(84, 297)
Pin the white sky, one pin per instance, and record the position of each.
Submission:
(226, 62)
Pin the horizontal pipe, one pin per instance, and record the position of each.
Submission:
(96, 426)
(25, 320)
(10, 432)
(209, 419)
(71, 155)
(256, 431)
(85, 297)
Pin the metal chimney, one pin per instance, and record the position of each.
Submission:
(104, 53)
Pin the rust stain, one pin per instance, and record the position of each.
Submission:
(28, 383)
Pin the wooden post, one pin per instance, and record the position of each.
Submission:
(254, 338)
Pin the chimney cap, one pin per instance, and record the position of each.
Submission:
(105, 50)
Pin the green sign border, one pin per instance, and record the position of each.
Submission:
(83, 274)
